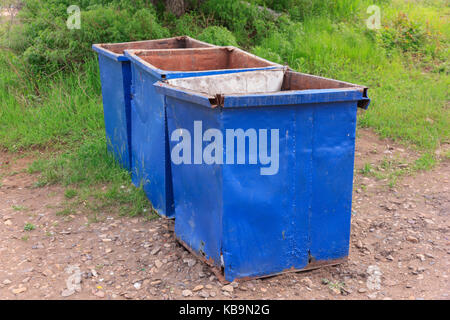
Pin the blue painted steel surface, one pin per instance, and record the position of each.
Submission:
(115, 75)
(150, 152)
(255, 225)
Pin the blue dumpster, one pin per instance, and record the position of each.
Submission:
(150, 146)
(262, 178)
(115, 74)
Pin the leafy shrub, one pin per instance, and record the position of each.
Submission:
(403, 34)
(186, 25)
(218, 35)
(48, 45)
(248, 23)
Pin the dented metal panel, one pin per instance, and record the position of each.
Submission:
(115, 74)
(150, 154)
(249, 224)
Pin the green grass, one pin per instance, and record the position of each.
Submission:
(61, 114)
(29, 227)
(44, 112)
(70, 193)
(390, 170)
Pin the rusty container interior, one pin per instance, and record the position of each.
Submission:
(201, 59)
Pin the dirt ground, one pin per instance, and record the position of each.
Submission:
(399, 245)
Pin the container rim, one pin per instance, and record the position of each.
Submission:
(349, 92)
(98, 47)
(133, 56)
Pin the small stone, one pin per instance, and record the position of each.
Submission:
(47, 272)
(307, 282)
(67, 292)
(359, 244)
(390, 258)
(420, 256)
(19, 290)
(362, 290)
(108, 250)
(412, 239)
(7, 281)
(212, 294)
(228, 288)
(198, 288)
(264, 290)
(204, 294)
(26, 279)
(190, 262)
(158, 264)
(155, 251)
(106, 240)
(100, 294)
(137, 285)
(156, 282)
(186, 293)
(208, 286)
(8, 222)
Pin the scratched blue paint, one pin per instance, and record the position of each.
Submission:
(253, 225)
(150, 152)
(115, 75)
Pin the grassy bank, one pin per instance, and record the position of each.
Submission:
(54, 105)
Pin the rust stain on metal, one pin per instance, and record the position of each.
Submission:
(221, 277)
(180, 42)
(307, 82)
(201, 59)
(210, 262)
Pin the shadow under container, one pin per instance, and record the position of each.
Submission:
(115, 75)
(150, 157)
(273, 192)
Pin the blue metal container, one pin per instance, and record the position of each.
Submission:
(115, 74)
(243, 213)
(150, 146)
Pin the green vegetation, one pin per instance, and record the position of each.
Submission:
(50, 93)
(70, 193)
(29, 226)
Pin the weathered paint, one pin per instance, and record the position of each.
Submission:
(252, 225)
(149, 137)
(115, 75)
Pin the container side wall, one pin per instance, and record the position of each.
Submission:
(197, 187)
(149, 147)
(115, 93)
(332, 158)
(261, 218)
